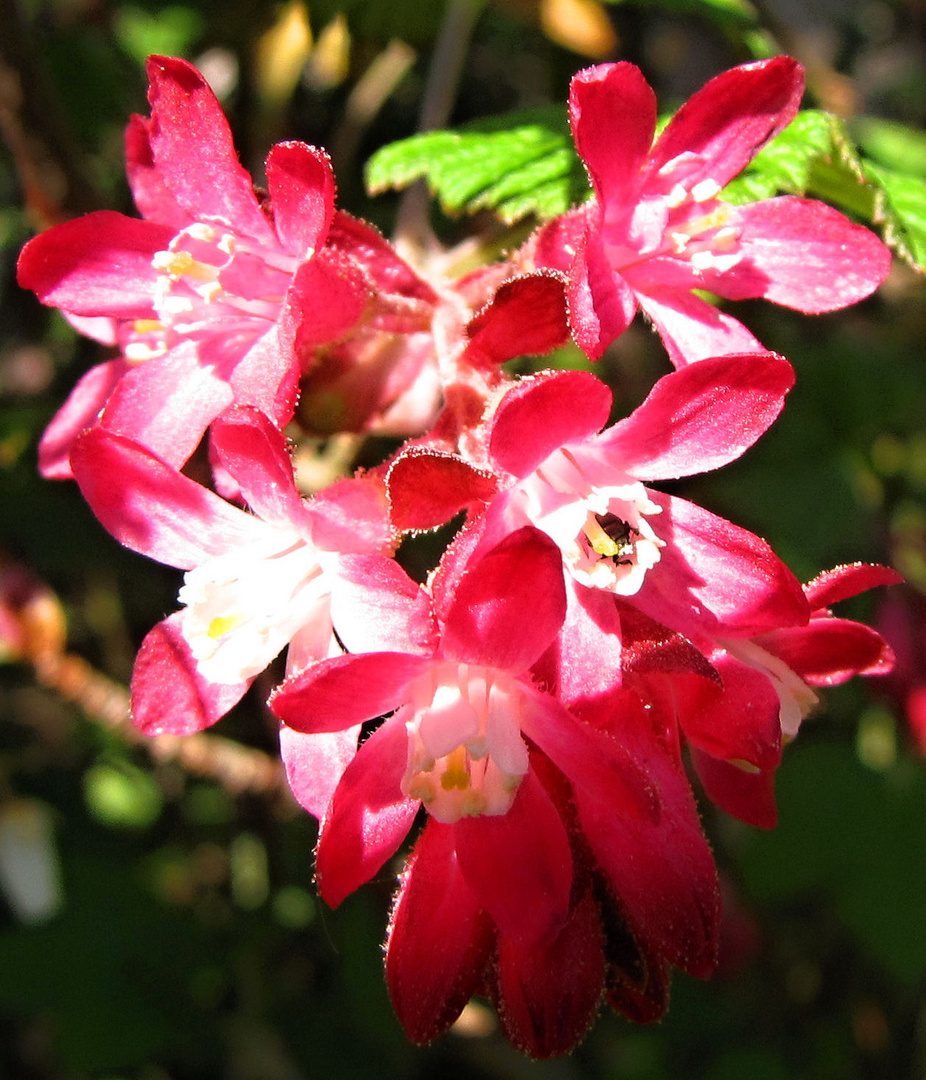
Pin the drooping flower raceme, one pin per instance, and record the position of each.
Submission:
(656, 229)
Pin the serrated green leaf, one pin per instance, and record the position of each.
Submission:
(891, 144)
(902, 211)
(517, 165)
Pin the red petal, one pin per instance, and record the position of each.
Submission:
(99, 264)
(715, 577)
(155, 201)
(368, 818)
(526, 317)
(638, 978)
(150, 507)
(601, 302)
(518, 865)
(315, 764)
(192, 148)
(254, 453)
(548, 995)
(79, 412)
(809, 256)
(439, 940)
(729, 119)
(427, 488)
(169, 696)
(346, 690)
(842, 582)
(376, 607)
(690, 328)
(510, 604)
(828, 651)
(700, 417)
(541, 414)
(612, 110)
(301, 188)
(746, 795)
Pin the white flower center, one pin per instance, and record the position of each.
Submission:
(466, 756)
(601, 527)
(211, 281)
(242, 608)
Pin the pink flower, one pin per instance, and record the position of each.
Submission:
(522, 800)
(255, 583)
(212, 295)
(769, 688)
(656, 230)
(587, 489)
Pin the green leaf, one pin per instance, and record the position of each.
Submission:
(515, 165)
(902, 209)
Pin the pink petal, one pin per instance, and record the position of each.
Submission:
(548, 996)
(169, 696)
(716, 578)
(842, 582)
(649, 648)
(700, 417)
(301, 186)
(587, 652)
(254, 453)
(315, 764)
(153, 509)
(731, 118)
(427, 488)
(192, 149)
(638, 977)
(601, 302)
(544, 412)
(167, 403)
(518, 865)
(99, 264)
(78, 413)
(829, 651)
(526, 317)
(346, 690)
(746, 795)
(368, 816)
(658, 864)
(351, 516)
(612, 110)
(376, 607)
(439, 940)
(741, 724)
(691, 329)
(326, 299)
(509, 605)
(362, 243)
(155, 201)
(809, 256)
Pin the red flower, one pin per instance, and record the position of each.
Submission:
(656, 230)
(212, 293)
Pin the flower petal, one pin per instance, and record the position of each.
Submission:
(842, 582)
(749, 796)
(346, 690)
(541, 414)
(368, 816)
(192, 149)
(809, 256)
(151, 507)
(439, 939)
(99, 264)
(518, 864)
(509, 605)
(301, 186)
(700, 417)
(169, 696)
(730, 118)
(612, 110)
(315, 764)
(690, 328)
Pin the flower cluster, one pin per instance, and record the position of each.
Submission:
(587, 643)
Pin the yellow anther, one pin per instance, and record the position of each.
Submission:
(222, 624)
